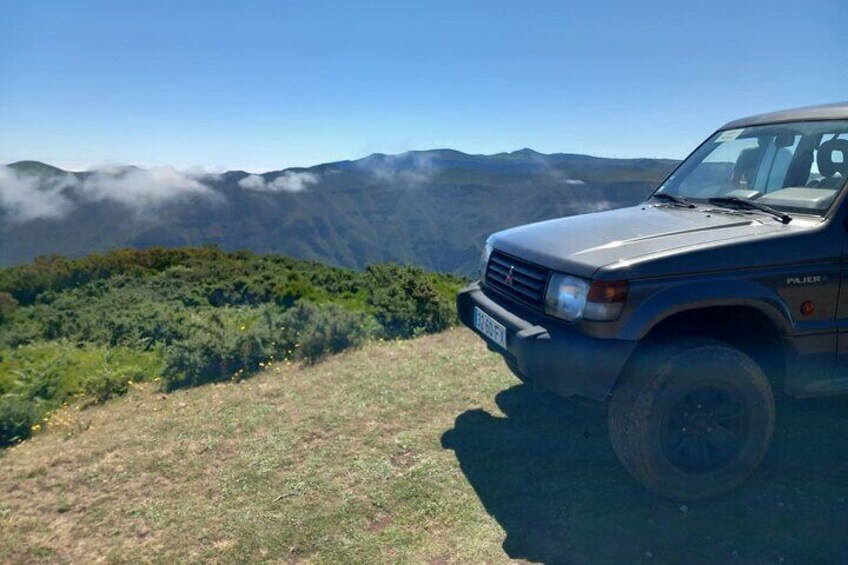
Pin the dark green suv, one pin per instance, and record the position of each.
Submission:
(687, 310)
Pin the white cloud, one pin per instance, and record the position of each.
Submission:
(407, 169)
(294, 182)
(141, 188)
(289, 181)
(30, 197)
(252, 182)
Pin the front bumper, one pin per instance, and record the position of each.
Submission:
(563, 361)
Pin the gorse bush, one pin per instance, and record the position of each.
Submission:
(311, 332)
(221, 349)
(209, 353)
(8, 305)
(17, 416)
(406, 303)
(69, 327)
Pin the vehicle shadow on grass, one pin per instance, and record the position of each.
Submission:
(547, 473)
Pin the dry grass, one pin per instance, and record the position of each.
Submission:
(422, 451)
(339, 461)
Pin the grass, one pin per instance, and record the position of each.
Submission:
(420, 451)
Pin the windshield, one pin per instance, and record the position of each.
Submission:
(793, 167)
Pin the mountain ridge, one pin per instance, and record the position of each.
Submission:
(27, 165)
(431, 208)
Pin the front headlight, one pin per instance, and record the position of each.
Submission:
(566, 296)
(569, 298)
(484, 260)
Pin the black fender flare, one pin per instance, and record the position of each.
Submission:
(699, 295)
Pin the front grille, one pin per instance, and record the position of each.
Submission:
(517, 279)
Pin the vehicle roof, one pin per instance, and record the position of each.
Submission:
(837, 111)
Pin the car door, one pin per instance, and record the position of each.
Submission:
(840, 377)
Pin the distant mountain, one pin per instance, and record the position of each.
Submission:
(429, 208)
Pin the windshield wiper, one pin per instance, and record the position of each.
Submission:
(750, 205)
(679, 200)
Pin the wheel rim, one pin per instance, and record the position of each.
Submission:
(705, 429)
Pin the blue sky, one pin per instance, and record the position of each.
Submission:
(266, 85)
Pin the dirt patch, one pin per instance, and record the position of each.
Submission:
(380, 523)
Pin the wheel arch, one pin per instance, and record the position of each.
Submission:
(748, 327)
(675, 299)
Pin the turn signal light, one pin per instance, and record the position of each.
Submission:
(605, 300)
(807, 308)
(608, 292)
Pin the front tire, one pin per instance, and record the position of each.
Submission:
(692, 418)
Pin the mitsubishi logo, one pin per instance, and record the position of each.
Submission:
(508, 277)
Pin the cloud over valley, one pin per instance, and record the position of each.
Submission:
(26, 196)
(288, 181)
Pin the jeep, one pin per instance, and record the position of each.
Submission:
(687, 310)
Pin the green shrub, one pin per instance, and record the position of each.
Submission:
(8, 305)
(406, 302)
(209, 353)
(315, 331)
(109, 381)
(17, 416)
(219, 349)
(293, 291)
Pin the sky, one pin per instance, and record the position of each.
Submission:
(265, 85)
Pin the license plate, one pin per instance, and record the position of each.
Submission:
(490, 328)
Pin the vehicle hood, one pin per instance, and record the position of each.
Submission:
(629, 238)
